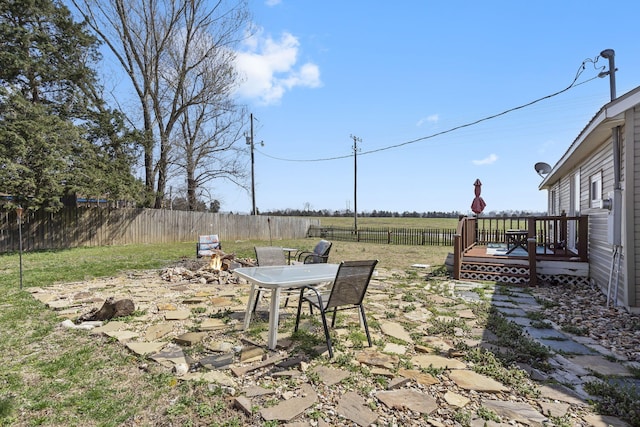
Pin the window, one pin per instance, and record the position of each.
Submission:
(595, 190)
(552, 204)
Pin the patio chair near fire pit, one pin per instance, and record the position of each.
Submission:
(320, 254)
(269, 256)
(207, 244)
(347, 292)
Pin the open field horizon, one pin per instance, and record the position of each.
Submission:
(395, 222)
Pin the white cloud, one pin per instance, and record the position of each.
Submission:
(273, 2)
(270, 68)
(490, 159)
(434, 118)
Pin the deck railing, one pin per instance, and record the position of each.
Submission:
(556, 236)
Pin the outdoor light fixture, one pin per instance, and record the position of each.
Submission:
(610, 55)
(19, 211)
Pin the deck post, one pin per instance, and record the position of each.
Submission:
(531, 227)
(531, 249)
(457, 256)
(583, 237)
(563, 231)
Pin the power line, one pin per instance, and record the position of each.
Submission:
(484, 119)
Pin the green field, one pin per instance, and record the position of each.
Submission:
(439, 223)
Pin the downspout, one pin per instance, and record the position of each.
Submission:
(615, 136)
(615, 206)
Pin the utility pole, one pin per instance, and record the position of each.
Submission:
(355, 181)
(253, 183)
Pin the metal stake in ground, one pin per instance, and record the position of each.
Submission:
(19, 211)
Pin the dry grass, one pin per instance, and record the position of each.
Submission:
(389, 256)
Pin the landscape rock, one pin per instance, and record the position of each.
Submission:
(353, 407)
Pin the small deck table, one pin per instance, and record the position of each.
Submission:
(516, 239)
(281, 277)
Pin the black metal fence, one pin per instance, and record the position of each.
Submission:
(390, 236)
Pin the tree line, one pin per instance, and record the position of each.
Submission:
(63, 133)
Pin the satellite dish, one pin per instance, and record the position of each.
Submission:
(542, 168)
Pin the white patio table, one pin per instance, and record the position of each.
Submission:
(277, 278)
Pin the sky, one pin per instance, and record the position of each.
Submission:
(409, 79)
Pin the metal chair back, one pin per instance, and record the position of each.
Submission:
(351, 283)
(270, 255)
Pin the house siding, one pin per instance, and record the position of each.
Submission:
(633, 175)
(553, 198)
(600, 249)
(592, 153)
(565, 191)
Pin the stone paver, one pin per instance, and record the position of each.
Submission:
(437, 362)
(601, 365)
(418, 376)
(516, 411)
(291, 408)
(353, 407)
(157, 331)
(330, 376)
(470, 380)
(144, 348)
(395, 330)
(455, 399)
(408, 399)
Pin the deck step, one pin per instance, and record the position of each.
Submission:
(496, 264)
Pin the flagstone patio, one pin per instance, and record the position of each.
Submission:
(191, 323)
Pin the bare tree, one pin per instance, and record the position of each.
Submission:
(178, 55)
(208, 149)
(206, 146)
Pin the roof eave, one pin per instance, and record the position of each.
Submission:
(596, 131)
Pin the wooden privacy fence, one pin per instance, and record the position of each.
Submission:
(391, 236)
(90, 226)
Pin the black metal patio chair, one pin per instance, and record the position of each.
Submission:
(320, 253)
(347, 292)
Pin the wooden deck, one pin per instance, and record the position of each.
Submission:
(539, 249)
(479, 263)
(480, 251)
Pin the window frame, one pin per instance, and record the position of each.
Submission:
(595, 190)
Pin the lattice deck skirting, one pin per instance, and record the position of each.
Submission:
(514, 274)
(483, 277)
(563, 279)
